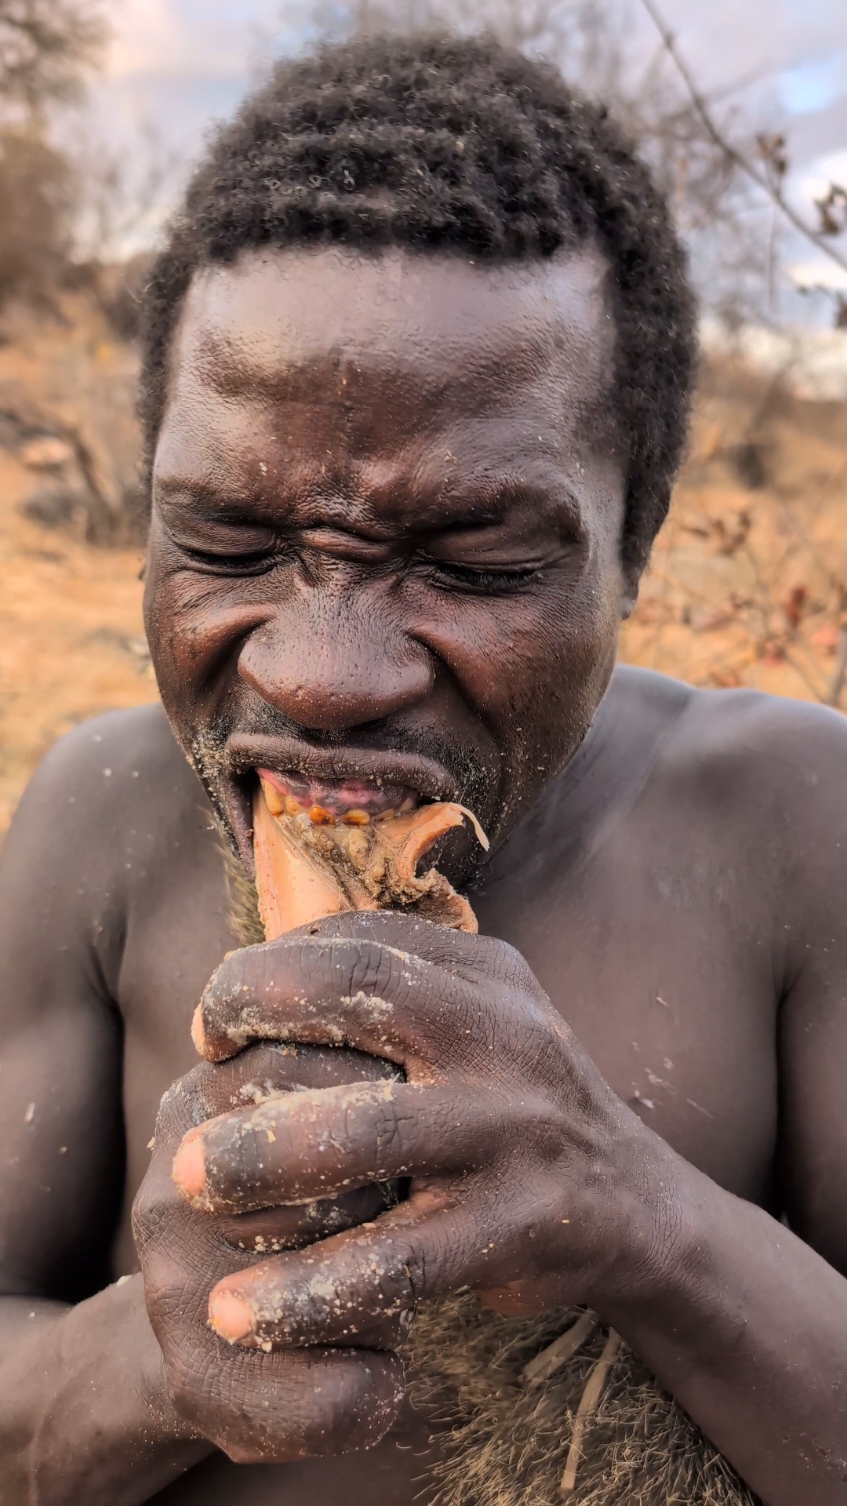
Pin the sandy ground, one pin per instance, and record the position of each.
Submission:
(748, 584)
(71, 637)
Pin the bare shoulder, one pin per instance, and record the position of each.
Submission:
(731, 739)
(114, 774)
(760, 778)
(136, 744)
(111, 806)
(762, 748)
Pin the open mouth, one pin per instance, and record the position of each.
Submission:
(328, 802)
(330, 790)
(322, 844)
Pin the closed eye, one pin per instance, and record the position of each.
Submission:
(228, 551)
(489, 582)
(253, 562)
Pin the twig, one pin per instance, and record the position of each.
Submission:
(560, 1351)
(730, 152)
(587, 1407)
(838, 678)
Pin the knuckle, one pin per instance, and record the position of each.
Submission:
(347, 964)
(156, 1203)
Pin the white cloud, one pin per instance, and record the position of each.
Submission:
(148, 37)
(819, 273)
(190, 39)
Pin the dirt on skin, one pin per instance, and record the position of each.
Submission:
(748, 584)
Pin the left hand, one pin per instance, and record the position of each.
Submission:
(530, 1181)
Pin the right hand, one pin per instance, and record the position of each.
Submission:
(256, 1407)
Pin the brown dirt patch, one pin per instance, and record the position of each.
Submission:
(71, 637)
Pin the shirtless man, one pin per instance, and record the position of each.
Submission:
(416, 375)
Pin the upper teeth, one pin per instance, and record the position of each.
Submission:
(288, 805)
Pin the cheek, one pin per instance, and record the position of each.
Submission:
(548, 652)
(193, 629)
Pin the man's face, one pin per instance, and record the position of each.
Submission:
(387, 506)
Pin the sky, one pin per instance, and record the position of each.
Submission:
(176, 65)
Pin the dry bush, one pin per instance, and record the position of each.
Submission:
(46, 48)
(68, 409)
(36, 204)
(748, 582)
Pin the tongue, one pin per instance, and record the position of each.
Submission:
(339, 796)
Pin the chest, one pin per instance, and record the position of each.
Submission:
(661, 963)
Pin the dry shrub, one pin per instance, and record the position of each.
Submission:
(37, 195)
(747, 585)
(67, 413)
(47, 48)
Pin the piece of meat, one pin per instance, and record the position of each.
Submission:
(308, 865)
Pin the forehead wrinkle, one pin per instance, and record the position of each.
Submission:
(408, 348)
(455, 381)
(477, 466)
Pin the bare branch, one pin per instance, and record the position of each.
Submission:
(45, 48)
(769, 183)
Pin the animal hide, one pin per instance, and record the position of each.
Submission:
(505, 1439)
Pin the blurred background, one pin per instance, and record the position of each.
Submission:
(741, 109)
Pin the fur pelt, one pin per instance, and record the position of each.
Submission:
(504, 1443)
(244, 920)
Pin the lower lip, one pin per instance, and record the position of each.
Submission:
(338, 796)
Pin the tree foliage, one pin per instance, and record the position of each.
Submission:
(46, 47)
(46, 50)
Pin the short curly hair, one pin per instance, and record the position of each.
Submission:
(447, 144)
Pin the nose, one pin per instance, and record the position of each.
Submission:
(331, 661)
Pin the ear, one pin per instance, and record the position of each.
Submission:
(630, 582)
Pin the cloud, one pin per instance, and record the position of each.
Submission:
(148, 37)
(728, 40)
(187, 39)
(816, 272)
(831, 168)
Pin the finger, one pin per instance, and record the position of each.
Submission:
(275, 1407)
(339, 991)
(308, 1146)
(457, 951)
(287, 1405)
(356, 1280)
(269, 1231)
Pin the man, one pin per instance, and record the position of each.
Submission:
(416, 376)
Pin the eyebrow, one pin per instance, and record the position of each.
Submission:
(464, 512)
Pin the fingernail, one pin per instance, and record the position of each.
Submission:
(189, 1168)
(198, 1034)
(230, 1316)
